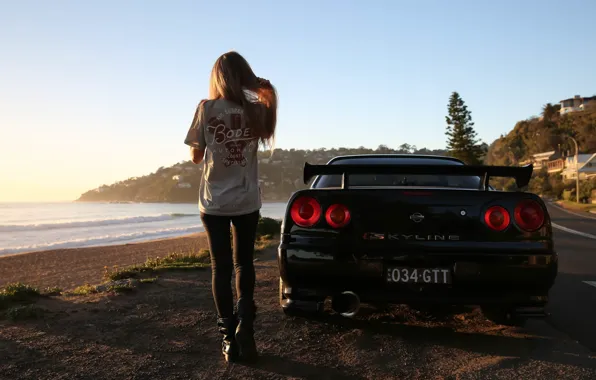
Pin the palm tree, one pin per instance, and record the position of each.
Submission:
(548, 111)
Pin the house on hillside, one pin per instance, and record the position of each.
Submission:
(586, 166)
(539, 160)
(177, 177)
(577, 103)
(555, 166)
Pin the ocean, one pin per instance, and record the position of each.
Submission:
(26, 227)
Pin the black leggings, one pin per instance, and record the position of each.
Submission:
(244, 229)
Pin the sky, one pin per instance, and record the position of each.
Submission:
(93, 92)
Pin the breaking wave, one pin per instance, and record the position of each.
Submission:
(93, 223)
(107, 239)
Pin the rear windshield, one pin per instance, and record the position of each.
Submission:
(413, 180)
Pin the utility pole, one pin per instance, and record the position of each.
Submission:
(576, 169)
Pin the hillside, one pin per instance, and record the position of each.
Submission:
(548, 132)
(545, 133)
(280, 172)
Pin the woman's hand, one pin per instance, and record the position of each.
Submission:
(263, 82)
(197, 155)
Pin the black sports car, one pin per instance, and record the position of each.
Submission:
(414, 229)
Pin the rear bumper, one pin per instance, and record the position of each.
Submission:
(477, 278)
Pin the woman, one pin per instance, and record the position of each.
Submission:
(225, 134)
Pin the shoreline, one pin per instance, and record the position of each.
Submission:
(140, 202)
(68, 268)
(103, 245)
(97, 239)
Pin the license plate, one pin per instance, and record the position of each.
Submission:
(403, 275)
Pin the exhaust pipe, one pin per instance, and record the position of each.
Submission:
(346, 304)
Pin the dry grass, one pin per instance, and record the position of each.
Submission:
(17, 301)
(24, 312)
(83, 290)
(264, 242)
(176, 260)
(17, 293)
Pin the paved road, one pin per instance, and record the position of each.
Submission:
(573, 301)
(583, 222)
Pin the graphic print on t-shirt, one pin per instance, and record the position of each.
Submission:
(233, 137)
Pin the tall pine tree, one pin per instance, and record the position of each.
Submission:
(461, 141)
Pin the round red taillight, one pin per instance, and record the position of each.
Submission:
(337, 216)
(305, 211)
(497, 218)
(529, 215)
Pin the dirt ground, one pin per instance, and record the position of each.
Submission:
(69, 268)
(166, 330)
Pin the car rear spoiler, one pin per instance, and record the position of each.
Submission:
(521, 174)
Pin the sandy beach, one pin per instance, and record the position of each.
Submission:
(69, 268)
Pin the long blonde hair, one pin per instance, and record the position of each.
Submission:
(230, 76)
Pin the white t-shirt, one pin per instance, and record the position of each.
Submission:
(230, 182)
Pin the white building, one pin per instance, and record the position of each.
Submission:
(586, 166)
(540, 159)
(577, 103)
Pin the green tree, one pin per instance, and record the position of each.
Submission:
(462, 142)
(548, 112)
(406, 148)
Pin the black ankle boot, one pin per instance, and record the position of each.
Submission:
(245, 330)
(229, 347)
